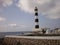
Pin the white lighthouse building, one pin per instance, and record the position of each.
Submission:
(36, 20)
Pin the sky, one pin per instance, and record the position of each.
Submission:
(18, 15)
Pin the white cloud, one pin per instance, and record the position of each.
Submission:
(12, 25)
(50, 8)
(2, 19)
(5, 3)
(23, 26)
(18, 26)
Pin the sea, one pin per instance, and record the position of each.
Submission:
(3, 34)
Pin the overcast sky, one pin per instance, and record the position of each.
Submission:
(18, 15)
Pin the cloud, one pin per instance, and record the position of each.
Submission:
(2, 19)
(49, 8)
(13, 25)
(5, 3)
(23, 26)
(18, 26)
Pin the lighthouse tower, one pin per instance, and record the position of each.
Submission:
(36, 20)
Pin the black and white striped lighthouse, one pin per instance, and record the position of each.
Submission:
(36, 19)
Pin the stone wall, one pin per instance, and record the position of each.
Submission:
(25, 41)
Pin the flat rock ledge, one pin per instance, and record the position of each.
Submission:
(30, 40)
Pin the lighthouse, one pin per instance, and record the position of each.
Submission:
(36, 20)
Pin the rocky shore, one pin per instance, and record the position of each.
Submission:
(28, 41)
